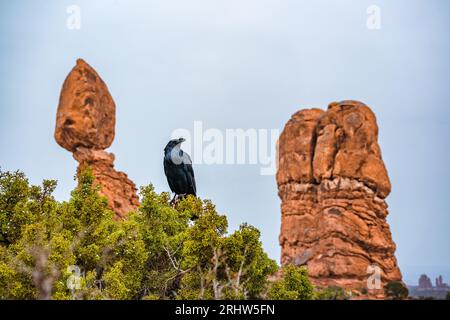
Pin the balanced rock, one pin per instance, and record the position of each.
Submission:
(86, 112)
(332, 182)
(85, 125)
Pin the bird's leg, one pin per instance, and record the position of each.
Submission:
(173, 201)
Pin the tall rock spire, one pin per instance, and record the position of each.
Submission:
(332, 182)
(85, 126)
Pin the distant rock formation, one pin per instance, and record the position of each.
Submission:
(425, 289)
(425, 282)
(332, 183)
(440, 283)
(85, 124)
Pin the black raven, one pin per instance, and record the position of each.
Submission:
(178, 169)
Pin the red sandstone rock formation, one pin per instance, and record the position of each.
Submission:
(85, 124)
(440, 282)
(425, 282)
(332, 182)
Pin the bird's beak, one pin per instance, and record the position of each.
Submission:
(181, 140)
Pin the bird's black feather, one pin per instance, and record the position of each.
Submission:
(178, 169)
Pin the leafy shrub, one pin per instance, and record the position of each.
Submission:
(396, 290)
(294, 285)
(332, 293)
(76, 250)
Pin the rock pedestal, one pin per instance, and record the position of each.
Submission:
(85, 124)
(333, 183)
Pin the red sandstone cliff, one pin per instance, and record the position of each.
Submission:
(332, 183)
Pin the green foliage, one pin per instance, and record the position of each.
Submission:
(448, 295)
(332, 293)
(43, 238)
(224, 267)
(295, 285)
(76, 250)
(396, 290)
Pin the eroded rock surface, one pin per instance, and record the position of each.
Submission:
(85, 126)
(86, 112)
(332, 182)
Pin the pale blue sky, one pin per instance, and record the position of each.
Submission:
(241, 64)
